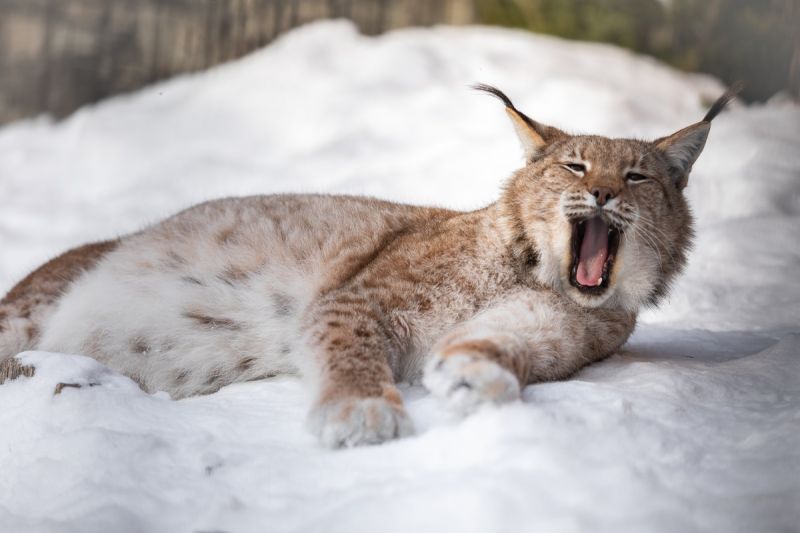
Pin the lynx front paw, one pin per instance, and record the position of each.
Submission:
(467, 381)
(350, 421)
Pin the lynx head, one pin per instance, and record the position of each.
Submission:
(602, 220)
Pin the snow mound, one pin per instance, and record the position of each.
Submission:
(692, 427)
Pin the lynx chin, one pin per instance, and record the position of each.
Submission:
(356, 293)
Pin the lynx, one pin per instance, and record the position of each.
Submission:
(356, 294)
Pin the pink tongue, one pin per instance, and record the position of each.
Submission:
(593, 253)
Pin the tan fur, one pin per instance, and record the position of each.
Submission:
(28, 304)
(358, 293)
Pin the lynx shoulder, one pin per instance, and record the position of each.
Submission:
(356, 294)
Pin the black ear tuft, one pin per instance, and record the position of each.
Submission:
(533, 136)
(494, 91)
(723, 100)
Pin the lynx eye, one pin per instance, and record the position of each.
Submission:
(576, 167)
(635, 177)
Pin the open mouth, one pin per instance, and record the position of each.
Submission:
(594, 247)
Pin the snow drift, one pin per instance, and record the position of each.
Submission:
(694, 426)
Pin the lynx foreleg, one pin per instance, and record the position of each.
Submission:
(357, 401)
(528, 337)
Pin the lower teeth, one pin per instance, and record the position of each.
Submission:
(599, 282)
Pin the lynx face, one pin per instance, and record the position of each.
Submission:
(605, 218)
(614, 224)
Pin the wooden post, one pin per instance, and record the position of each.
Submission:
(57, 55)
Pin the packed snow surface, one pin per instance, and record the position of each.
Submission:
(694, 426)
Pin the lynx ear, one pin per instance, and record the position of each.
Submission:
(533, 136)
(683, 147)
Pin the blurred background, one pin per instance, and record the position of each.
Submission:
(57, 55)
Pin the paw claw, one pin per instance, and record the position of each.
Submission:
(460, 384)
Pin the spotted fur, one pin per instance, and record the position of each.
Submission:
(357, 293)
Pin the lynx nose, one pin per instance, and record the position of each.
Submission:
(602, 195)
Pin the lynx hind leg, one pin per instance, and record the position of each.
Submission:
(470, 374)
(16, 335)
(28, 304)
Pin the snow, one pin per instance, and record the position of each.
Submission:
(694, 426)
